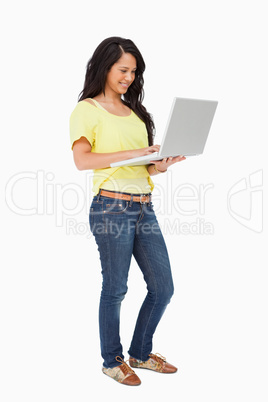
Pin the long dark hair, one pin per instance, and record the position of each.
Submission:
(105, 56)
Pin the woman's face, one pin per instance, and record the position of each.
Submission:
(121, 74)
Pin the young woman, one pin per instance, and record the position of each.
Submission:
(110, 124)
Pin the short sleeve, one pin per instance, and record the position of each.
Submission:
(82, 123)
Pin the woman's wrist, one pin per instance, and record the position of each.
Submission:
(159, 171)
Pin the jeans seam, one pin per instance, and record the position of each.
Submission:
(105, 332)
(151, 270)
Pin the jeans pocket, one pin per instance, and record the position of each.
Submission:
(150, 208)
(115, 207)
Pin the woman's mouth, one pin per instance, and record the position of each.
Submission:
(124, 85)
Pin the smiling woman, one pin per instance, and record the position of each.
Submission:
(110, 124)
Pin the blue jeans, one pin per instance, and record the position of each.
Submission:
(122, 229)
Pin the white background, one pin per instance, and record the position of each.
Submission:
(215, 329)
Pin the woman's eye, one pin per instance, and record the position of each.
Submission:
(125, 71)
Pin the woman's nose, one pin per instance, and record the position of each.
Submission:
(129, 77)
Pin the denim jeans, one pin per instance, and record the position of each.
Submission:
(122, 229)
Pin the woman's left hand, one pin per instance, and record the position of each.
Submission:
(165, 163)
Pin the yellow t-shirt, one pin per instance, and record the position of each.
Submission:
(107, 132)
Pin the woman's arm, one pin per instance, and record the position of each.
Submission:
(84, 159)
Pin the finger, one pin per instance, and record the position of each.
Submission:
(153, 149)
(179, 158)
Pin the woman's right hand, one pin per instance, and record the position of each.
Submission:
(134, 153)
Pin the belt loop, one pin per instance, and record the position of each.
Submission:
(98, 196)
(142, 202)
(131, 200)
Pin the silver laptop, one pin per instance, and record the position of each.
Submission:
(186, 131)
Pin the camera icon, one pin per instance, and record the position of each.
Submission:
(245, 201)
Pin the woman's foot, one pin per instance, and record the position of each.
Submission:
(155, 362)
(122, 373)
